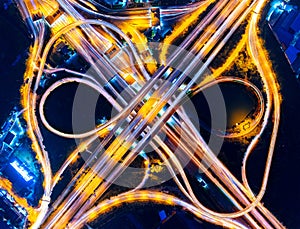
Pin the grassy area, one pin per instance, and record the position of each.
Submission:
(231, 44)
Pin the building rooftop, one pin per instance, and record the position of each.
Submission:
(12, 215)
(284, 37)
(292, 53)
(295, 26)
(284, 21)
(9, 138)
(19, 175)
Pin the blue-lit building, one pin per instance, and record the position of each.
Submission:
(284, 21)
(116, 3)
(12, 216)
(11, 132)
(20, 176)
(12, 167)
(16, 170)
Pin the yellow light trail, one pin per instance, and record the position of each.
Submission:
(153, 196)
(231, 58)
(32, 212)
(121, 150)
(25, 103)
(181, 28)
(45, 7)
(228, 63)
(88, 4)
(141, 43)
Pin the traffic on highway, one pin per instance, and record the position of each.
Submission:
(149, 76)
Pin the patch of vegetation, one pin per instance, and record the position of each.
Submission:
(231, 44)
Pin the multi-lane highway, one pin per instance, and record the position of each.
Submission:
(145, 110)
(69, 203)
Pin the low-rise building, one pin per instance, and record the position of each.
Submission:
(19, 175)
(12, 216)
(11, 132)
(12, 167)
(284, 21)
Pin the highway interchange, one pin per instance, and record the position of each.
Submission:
(151, 97)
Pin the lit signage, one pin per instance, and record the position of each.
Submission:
(20, 169)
